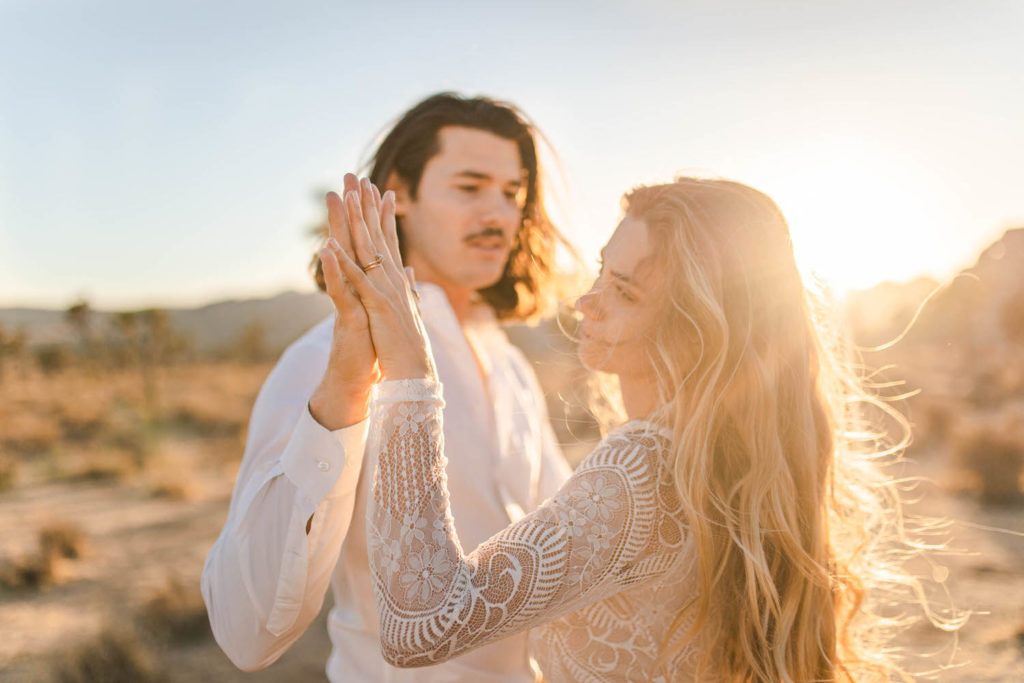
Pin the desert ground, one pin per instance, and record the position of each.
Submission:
(113, 486)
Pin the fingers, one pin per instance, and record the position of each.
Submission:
(337, 288)
(351, 183)
(337, 221)
(374, 218)
(376, 197)
(362, 247)
(370, 296)
(363, 226)
(371, 213)
(367, 239)
(389, 225)
(337, 216)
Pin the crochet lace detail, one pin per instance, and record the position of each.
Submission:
(599, 571)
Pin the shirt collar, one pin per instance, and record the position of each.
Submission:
(434, 300)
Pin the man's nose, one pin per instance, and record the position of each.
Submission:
(502, 212)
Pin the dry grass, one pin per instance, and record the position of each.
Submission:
(58, 541)
(29, 573)
(62, 539)
(111, 466)
(114, 656)
(212, 401)
(989, 453)
(28, 431)
(173, 488)
(83, 421)
(8, 473)
(934, 421)
(176, 613)
(86, 425)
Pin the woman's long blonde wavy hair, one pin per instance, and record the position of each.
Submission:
(773, 454)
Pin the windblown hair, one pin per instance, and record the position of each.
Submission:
(526, 288)
(773, 456)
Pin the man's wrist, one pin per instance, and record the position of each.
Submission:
(337, 408)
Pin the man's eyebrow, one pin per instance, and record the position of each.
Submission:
(479, 175)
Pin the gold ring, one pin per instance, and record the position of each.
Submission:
(377, 262)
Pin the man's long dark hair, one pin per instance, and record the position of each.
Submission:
(525, 287)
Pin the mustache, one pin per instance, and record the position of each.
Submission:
(488, 232)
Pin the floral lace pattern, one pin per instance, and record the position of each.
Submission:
(598, 572)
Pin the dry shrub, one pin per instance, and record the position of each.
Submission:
(130, 434)
(991, 450)
(8, 473)
(206, 421)
(173, 489)
(58, 540)
(114, 656)
(31, 572)
(176, 613)
(62, 539)
(212, 400)
(934, 422)
(83, 421)
(114, 466)
(29, 432)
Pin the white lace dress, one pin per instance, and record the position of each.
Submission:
(597, 573)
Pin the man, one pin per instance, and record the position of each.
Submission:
(472, 225)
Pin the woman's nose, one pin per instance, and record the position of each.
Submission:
(588, 304)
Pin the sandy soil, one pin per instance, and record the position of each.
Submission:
(136, 541)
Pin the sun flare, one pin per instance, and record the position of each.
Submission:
(857, 215)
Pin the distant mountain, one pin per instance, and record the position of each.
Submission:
(284, 318)
(211, 328)
(972, 310)
(969, 310)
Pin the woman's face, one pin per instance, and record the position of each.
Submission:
(619, 312)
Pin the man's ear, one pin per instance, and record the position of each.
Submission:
(401, 190)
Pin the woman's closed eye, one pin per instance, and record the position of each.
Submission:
(625, 294)
(616, 284)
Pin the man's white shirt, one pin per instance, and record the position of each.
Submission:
(265, 579)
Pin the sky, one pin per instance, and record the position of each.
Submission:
(176, 153)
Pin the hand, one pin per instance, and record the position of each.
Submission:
(403, 351)
(342, 397)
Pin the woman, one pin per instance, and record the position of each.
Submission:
(723, 532)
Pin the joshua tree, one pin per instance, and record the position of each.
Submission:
(79, 316)
(146, 334)
(251, 345)
(12, 345)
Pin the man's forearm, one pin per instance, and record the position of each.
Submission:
(266, 577)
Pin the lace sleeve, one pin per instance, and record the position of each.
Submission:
(586, 543)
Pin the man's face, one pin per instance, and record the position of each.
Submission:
(459, 230)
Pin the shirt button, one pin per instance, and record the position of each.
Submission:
(323, 465)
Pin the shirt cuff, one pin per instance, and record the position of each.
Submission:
(315, 458)
(398, 390)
